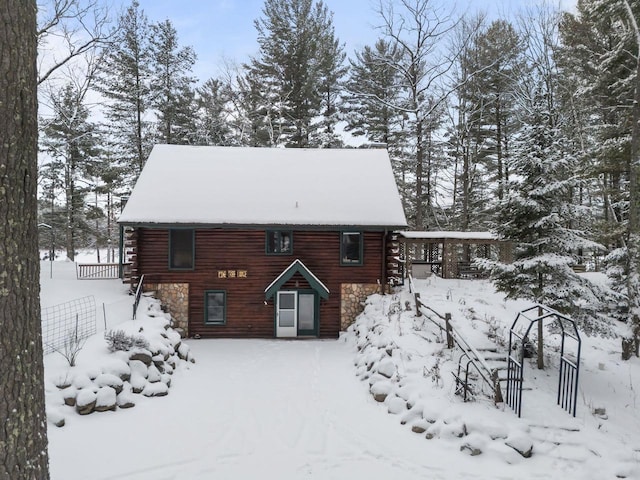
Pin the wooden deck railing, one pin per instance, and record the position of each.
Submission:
(97, 271)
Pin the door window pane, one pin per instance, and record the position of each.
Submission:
(287, 318)
(287, 301)
(306, 311)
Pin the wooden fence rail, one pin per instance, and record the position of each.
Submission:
(455, 339)
(97, 271)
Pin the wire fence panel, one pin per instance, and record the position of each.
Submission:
(74, 319)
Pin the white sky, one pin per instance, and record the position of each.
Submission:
(220, 29)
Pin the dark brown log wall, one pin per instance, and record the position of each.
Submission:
(234, 249)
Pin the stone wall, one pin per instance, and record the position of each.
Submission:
(175, 298)
(352, 297)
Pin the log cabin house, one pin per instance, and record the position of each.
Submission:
(262, 242)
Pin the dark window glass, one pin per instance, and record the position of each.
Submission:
(215, 308)
(181, 248)
(351, 248)
(279, 242)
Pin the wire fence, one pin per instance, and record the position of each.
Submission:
(76, 318)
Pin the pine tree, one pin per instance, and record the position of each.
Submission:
(70, 140)
(172, 85)
(212, 127)
(538, 212)
(298, 68)
(23, 436)
(125, 82)
(606, 34)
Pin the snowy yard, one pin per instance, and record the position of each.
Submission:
(284, 410)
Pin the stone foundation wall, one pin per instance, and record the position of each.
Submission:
(352, 297)
(175, 297)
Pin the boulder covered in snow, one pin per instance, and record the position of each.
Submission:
(86, 401)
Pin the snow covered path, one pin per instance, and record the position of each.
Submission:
(258, 409)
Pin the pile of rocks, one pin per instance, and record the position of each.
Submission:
(397, 379)
(123, 377)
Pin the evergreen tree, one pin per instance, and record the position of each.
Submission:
(606, 33)
(70, 140)
(370, 108)
(212, 126)
(172, 85)
(125, 82)
(23, 435)
(299, 69)
(538, 211)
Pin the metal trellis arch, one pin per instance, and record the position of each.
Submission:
(569, 358)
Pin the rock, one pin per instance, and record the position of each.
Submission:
(380, 390)
(473, 451)
(86, 401)
(81, 381)
(143, 356)
(105, 399)
(396, 405)
(69, 396)
(183, 351)
(386, 367)
(157, 389)
(137, 382)
(521, 444)
(138, 368)
(418, 429)
(125, 399)
(109, 380)
(119, 368)
(154, 374)
(166, 379)
(56, 417)
(63, 381)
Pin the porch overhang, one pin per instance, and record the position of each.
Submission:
(296, 267)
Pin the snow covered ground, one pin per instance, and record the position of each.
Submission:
(277, 409)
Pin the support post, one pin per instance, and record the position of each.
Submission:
(418, 304)
(447, 321)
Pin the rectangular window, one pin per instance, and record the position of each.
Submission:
(181, 249)
(215, 307)
(351, 248)
(279, 242)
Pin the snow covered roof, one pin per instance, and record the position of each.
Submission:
(265, 186)
(418, 235)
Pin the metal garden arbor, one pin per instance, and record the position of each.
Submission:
(569, 356)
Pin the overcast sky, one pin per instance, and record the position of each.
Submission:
(225, 28)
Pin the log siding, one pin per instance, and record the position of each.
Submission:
(243, 250)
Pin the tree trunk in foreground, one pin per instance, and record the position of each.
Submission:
(23, 433)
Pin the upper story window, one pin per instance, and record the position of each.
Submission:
(279, 242)
(351, 248)
(181, 249)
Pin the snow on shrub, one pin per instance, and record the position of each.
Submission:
(120, 340)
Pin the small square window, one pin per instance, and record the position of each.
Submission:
(279, 242)
(215, 307)
(181, 249)
(351, 248)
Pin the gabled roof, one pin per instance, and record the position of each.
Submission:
(296, 267)
(193, 185)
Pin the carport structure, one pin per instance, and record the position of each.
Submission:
(450, 254)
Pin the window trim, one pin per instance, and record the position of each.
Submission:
(279, 232)
(193, 250)
(206, 308)
(361, 248)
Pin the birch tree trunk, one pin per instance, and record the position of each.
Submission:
(23, 434)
